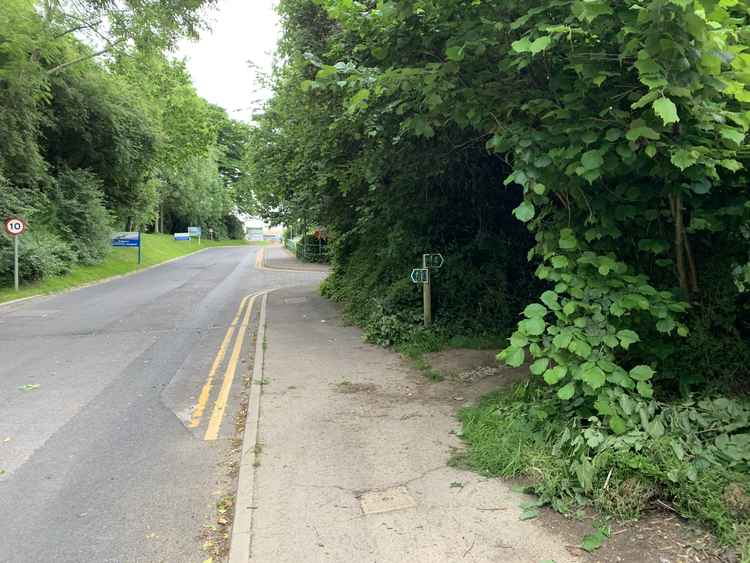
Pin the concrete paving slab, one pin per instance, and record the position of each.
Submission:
(394, 498)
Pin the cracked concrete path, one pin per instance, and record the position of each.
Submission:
(352, 456)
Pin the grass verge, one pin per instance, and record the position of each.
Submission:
(156, 249)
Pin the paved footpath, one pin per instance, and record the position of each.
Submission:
(351, 460)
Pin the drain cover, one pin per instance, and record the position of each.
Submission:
(397, 498)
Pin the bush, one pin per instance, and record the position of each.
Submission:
(41, 255)
(234, 228)
(80, 215)
(480, 290)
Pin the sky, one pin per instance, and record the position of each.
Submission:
(242, 32)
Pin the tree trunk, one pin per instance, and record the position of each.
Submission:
(693, 273)
(675, 202)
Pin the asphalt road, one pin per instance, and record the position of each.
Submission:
(103, 455)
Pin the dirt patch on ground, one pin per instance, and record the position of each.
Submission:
(453, 362)
(463, 376)
(468, 365)
(658, 537)
(349, 387)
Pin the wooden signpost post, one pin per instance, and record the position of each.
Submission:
(422, 275)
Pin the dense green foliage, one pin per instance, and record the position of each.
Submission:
(386, 198)
(94, 141)
(618, 130)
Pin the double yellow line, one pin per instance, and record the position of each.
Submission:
(220, 405)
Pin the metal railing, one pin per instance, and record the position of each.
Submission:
(307, 252)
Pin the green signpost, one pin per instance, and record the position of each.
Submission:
(420, 275)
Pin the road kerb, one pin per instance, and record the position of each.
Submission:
(262, 264)
(239, 548)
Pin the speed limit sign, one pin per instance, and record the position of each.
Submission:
(14, 226)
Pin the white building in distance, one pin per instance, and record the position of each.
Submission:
(256, 229)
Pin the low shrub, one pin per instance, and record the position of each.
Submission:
(41, 255)
(234, 228)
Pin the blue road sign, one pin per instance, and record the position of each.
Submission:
(182, 236)
(127, 239)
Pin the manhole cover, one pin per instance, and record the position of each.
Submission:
(397, 498)
(295, 300)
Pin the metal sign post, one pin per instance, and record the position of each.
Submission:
(422, 275)
(15, 261)
(15, 227)
(196, 232)
(128, 240)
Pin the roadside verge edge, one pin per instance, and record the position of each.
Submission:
(239, 547)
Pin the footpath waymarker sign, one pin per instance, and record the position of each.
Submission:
(15, 227)
(196, 232)
(434, 261)
(422, 276)
(128, 240)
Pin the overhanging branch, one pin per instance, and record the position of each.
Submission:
(63, 66)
